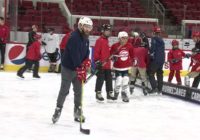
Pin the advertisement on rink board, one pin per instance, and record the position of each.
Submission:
(182, 92)
(15, 54)
(15, 57)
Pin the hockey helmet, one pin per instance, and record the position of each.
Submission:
(156, 29)
(175, 43)
(106, 27)
(196, 34)
(85, 21)
(122, 34)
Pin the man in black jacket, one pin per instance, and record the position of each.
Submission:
(75, 62)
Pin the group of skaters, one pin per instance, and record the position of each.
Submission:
(131, 57)
(50, 43)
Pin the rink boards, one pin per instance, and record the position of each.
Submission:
(15, 54)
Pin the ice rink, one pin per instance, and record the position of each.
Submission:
(26, 108)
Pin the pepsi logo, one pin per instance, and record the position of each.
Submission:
(15, 55)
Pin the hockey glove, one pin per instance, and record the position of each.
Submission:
(98, 64)
(187, 55)
(86, 63)
(43, 43)
(174, 60)
(81, 74)
(114, 58)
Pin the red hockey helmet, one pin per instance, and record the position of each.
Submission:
(156, 29)
(175, 43)
(196, 34)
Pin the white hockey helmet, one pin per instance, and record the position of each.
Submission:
(85, 21)
(135, 34)
(122, 34)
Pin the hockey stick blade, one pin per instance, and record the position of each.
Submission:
(85, 131)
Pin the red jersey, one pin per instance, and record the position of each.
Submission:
(34, 51)
(136, 42)
(102, 51)
(176, 54)
(140, 58)
(195, 62)
(4, 33)
(124, 56)
(64, 41)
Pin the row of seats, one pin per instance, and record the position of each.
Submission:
(45, 15)
(182, 9)
(49, 15)
(119, 8)
(131, 8)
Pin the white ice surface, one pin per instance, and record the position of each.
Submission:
(26, 108)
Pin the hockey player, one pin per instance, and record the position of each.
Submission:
(4, 34)
(52, 44)
(101, 54)
(122, 52)
(195, 51)
(140, 63)
(157, 59)
(195, 71)
(74, 64)
(32, 58)
(175, 57)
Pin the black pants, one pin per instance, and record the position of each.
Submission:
(28, 65)
(104, 75)
(152, 70)
(2, 50)
(196, 81)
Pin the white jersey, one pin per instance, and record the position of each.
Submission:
(52, 41)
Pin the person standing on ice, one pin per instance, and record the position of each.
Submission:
(33, 57)
(157, 59)
(195, 63)
(175, 57)
(52, 43)
(122, 52)
(101, 54)
(75, 62)
(195, 70)
(139, 66)
(4, 35)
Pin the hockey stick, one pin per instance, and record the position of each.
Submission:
(82, 130)
(103, 63)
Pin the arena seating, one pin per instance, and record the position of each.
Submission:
(176, 9)
(112, 8)
(49, 15)
(44, 15)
